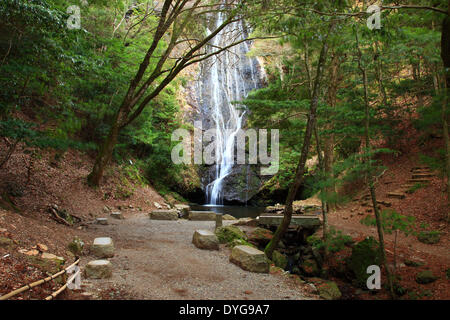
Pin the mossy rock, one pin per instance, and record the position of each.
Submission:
(239, 242)
(364, 254)
(310, 268)
(429, 237)
(260, 236)
(426, 277)
(328, 290)
(279, 259)
(48, 266)
(76, 247)
(412, 263)
(227, 234)
(6, 243)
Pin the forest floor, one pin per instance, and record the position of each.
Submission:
(157, 260)
(427, 205)
(154, 259)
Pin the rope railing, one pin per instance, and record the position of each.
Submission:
(47, 279)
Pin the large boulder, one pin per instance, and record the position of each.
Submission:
(229, 233)
(204, 239)
(202, 216)
(250, 259)
(260, 236)
(364, 254)
(228, 217)
(103, 247)
(164, 215)
(98, 269)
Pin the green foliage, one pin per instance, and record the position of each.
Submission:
(364, 254)
(392, 221)
(336, 241)
(416, 187)
(429, 237)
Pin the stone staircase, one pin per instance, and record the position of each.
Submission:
(420, 174)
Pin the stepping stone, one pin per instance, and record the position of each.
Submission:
(250, 259)
(204, 239)
(396, 195)
(202, 216)
(117, 215)
(98, 269)
(422, 175)
(103, 247)
(184, 209)
(102, 221)
(164, 215)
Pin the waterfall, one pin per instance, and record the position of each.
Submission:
(228, 78)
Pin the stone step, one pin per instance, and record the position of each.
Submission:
(296, 220)
(422, 175)
(422, 180)
(384, 203)
(421, 171)
(202, 216)
(420, 168)
(396, 195)
(170, 215)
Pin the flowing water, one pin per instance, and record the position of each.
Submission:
(231, 76)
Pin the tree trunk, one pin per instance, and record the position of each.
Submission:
(445, 54)
(105, 153)
(305, 150)
(329, 140)
(369, 169)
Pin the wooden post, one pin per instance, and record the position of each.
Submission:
(218, 220)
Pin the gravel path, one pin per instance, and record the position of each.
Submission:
(156, 260)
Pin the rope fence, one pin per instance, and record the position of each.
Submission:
(76, 277)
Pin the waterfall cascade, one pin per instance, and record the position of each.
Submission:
(227, 78)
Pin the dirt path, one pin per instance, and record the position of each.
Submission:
(156, 260)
